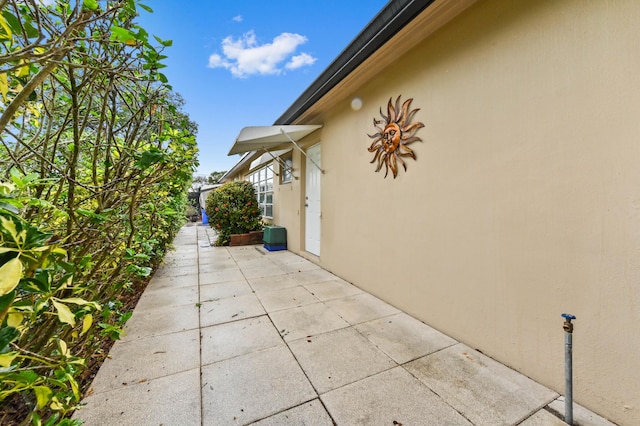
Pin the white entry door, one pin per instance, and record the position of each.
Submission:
(312, 203)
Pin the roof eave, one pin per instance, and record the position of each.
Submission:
(247, 158)
(391, 19)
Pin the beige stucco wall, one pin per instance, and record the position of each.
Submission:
(524, 201)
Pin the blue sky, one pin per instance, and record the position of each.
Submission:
(243, 63)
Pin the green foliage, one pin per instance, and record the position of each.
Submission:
(95, 161)
(212, 179)
(233, 209)
(37, 290)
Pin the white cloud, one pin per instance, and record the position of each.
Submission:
(237, 18)
(299, 61)
(216, 61)
(244, 56)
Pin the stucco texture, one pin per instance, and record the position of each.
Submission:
(524, 200)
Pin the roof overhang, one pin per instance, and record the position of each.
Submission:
(270, 138)
(397, 28)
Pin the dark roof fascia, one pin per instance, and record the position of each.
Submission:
(246, 158)
(387, 23)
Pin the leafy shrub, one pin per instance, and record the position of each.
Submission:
(233, 209)
(38, 292)
(94, 171)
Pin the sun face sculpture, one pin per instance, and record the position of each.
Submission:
(395, 132)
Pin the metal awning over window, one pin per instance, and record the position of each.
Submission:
(268, 157)
(271, 138)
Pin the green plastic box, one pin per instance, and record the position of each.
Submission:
(275, 235)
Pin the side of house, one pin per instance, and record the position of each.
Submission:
(523, 201)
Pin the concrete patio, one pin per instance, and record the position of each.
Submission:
(240, 335)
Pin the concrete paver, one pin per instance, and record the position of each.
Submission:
(230, 309)
(309, 414)
(257, 262)
(483, 390)
(391, 396)
(212, 292)
(334, 359)
(140, 360)
(303, 266)
(166, 320)
(328, 290)
(176, 271)
(159, 321)
(277, 300)
(240, 335)
(404, 338)
(276, 282)
(581, 416)
(252, 387)
(543, 418)
(312, 276)
(261, 271)
(218, 266)
(161, 296)
(171, 283)
(361, 308)
(221, 276)
(223, 341)
(308, 320)
(169, 400)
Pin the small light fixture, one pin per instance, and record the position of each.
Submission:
(356, 104)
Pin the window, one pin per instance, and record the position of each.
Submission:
(262, 181)
(286, 168)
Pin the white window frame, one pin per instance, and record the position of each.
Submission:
(262, 181)
(286, 170)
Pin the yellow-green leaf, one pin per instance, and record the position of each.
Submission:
(64, 349)
(14, 319)
(6, 188)
(43, 395)
(59, 250)
(5, 26)
(64, 313)
(74, 386)
(10, 274)
(87, 320)
(7, 359)
(9, 225)
(4, 86)
(23, 71)
(81, 302)
(77, 361)
(56, 405)
(76, 300)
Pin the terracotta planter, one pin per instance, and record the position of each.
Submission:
(253, 237)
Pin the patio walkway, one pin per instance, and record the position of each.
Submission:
(237, 335)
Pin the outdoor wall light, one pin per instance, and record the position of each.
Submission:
(356, 104)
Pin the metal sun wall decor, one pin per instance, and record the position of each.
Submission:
(390, 142)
